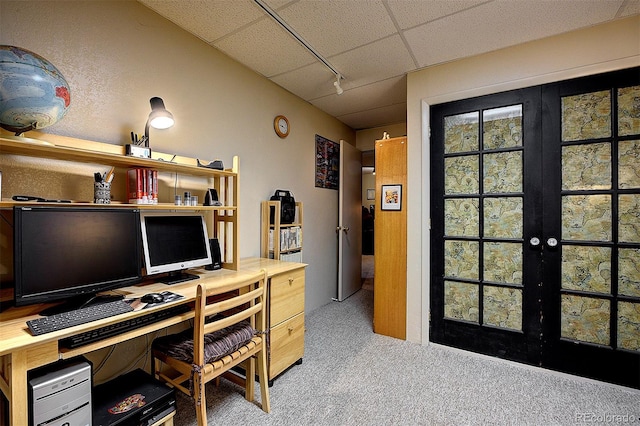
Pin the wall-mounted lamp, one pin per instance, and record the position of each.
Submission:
(159, 118)
(337, 84)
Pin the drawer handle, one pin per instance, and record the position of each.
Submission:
(290, 330)
(290, 281)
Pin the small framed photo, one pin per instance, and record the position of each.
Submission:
(391, 197)
(371, 194)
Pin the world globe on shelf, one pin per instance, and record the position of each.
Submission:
(33, 93)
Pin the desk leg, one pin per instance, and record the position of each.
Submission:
(13, 383)
(18, 408)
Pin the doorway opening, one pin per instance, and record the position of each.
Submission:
(368, 217)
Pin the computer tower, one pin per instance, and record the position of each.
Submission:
(60, 395)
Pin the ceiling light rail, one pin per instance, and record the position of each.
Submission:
(272, 13)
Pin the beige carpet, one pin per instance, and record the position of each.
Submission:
(351, 376)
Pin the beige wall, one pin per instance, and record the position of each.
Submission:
(366, 139)
(116, 55)
(368, 182)
(597, 49)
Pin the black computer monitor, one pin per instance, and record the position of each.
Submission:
(174, 242)
(72, 253)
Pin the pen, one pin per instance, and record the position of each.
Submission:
(109, 177)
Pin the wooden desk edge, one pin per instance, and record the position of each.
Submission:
(16, 335)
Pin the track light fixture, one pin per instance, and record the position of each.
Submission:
(272, 13)
(337, 84)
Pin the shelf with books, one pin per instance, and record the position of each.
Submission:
(281, 241)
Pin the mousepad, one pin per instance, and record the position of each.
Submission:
(137, 304)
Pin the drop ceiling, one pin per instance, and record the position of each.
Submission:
(373, 44)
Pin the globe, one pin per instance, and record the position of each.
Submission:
(33, 93)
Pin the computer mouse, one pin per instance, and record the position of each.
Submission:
(152, 298)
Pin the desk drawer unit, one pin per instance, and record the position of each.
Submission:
(286, 294)
(287, 344)
(286, 320)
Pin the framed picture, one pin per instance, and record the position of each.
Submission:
(327, 163)
(391, 197)
(371, 194)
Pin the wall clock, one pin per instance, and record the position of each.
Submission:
(281, 126)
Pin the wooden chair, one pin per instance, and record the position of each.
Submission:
(229, 319)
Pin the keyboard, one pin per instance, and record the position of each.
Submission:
(79, 316)
(122, 326)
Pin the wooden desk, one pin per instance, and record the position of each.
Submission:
(20, 351)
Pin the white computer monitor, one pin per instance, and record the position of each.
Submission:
(174, 242)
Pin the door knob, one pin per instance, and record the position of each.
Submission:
(345, 229)
(552, 242)
(534, 241)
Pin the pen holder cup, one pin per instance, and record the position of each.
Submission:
(102, 192)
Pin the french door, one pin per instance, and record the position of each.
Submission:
(536, 226)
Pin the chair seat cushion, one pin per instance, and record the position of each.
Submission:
(216, 345)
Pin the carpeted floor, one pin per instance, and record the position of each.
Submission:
(351, 376)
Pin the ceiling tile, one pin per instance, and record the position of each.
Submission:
(333, 27)
(383, 93)
(631, 7)
(392, 114)
(381, 60)
(409, 13)
(359, 38)
(501, 24)
(266, 48)
(309, 82)
(210, 19)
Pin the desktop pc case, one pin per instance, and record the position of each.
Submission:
(60, 394)
(135, 398)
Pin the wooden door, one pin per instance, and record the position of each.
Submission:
(390, 239)
(349, 228)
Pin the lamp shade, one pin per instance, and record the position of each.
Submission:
(159, 118)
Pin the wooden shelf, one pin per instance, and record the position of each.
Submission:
(222, 221)
(159, 206)
(21, 146)
(270, 247)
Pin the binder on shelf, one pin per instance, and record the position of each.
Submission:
(284, 239)
(142, 186)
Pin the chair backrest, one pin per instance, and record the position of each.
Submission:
(215, 309)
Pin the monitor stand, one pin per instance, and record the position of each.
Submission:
(178, 277)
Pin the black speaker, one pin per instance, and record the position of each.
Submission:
(287, 207)
(216, 256)
(211, 198)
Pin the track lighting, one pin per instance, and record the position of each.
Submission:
(337, 84)
(278, 19)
